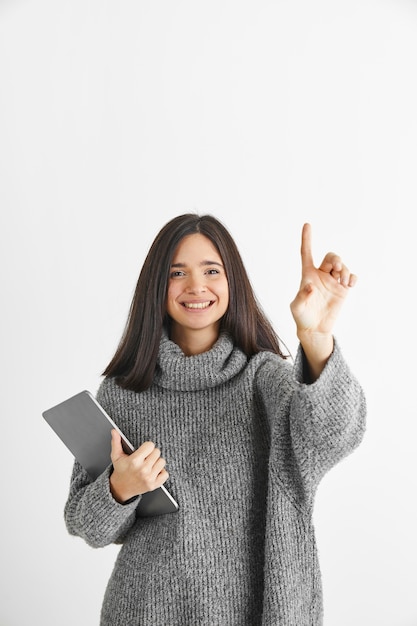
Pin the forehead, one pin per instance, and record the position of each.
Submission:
(196, 247)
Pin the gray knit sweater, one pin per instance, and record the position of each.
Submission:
(246, 444)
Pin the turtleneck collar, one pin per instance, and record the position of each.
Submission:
(193, 373)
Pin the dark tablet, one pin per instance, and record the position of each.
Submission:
(85, 428)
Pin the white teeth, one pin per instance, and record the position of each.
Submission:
(196, 305)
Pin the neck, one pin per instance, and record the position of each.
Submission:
(194, 342)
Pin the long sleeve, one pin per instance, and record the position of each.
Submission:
(313, 426)
(92, 513)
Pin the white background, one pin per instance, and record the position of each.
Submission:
(117, 116)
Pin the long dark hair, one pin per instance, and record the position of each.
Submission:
(134, 362)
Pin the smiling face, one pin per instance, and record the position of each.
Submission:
(198, 294)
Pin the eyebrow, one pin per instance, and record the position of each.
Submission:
(202, 264)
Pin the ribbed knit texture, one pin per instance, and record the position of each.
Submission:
(246, 444)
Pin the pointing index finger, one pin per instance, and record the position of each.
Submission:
(306, 253)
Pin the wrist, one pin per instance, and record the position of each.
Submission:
(117, 491)
(320, 343)
(317, 348)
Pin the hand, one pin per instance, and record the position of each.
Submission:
(318, 301)
(322, 290)
(137, 473)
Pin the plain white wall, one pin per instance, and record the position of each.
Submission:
(116, 116)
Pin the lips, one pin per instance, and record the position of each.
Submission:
(197, 305)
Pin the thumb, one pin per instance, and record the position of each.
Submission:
(116, 446)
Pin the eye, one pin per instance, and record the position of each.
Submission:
(176, 274)
(213, 272)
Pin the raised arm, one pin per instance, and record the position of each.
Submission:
(318, 302)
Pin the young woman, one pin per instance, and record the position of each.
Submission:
(245, 435)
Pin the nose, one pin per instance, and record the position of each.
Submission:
(196, 285)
